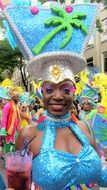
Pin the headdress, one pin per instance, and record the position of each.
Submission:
(7, 83)
(52, 39)
(15, 91)
(89, 94)
(24, 97)
(37, 86)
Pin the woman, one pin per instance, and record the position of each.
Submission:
(63, 153)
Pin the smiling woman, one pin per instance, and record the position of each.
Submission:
(57, 96)
(64, 152)
(61, 147)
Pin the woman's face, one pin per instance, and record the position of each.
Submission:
(87, 106)
(24, 108)
(58, 98)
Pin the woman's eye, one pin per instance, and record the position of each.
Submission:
(69, 90)
(48, 89)
(66, 91)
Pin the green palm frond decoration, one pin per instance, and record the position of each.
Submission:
(63, 21)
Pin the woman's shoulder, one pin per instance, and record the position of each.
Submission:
(25, 134)
(84, 127)
(87, 131)
(28, 131)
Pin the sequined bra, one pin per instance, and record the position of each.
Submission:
(53, 169)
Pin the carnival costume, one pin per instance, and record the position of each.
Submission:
(61, 167)
(42, 31)
(10, 125)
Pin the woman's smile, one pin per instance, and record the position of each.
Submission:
(57, 107)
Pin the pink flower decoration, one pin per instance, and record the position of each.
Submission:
(69, 9)
(34, 10)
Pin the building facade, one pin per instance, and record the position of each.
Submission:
(96, 50)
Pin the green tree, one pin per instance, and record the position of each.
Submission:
(11, 59)
(105, 3)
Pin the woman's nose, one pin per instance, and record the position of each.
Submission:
(58, 94)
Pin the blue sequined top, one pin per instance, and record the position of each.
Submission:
(56, 170)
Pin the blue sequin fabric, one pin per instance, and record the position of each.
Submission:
(28, 29)
(55, 169)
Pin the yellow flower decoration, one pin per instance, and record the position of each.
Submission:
(56, 72)
(7, 83)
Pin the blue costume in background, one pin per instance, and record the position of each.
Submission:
(2, 184)
(56, 170)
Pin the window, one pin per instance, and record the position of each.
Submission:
(105, 62)
(104, 26)
(90, 62)
(91, 40)
(91, 67)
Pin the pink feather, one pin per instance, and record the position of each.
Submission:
(2, 6)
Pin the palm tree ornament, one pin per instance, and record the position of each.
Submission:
(63, 22)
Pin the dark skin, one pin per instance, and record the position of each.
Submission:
(87, 106)
(57, 101)
(15, 98)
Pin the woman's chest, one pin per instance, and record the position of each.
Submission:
(64, 140)
(51, 163)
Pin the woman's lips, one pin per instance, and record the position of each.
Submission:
(57, 107)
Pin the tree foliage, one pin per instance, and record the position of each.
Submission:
(10, 59)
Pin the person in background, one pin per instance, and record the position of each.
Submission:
(25, 115)
(40, 110)
(74, 109)
(86, 107)
(10, 121)
(4, 98)
(2, 184)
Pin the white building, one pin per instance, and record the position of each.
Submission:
(96, 51)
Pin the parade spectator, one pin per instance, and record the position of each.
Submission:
(10, 124)
(25, 115)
